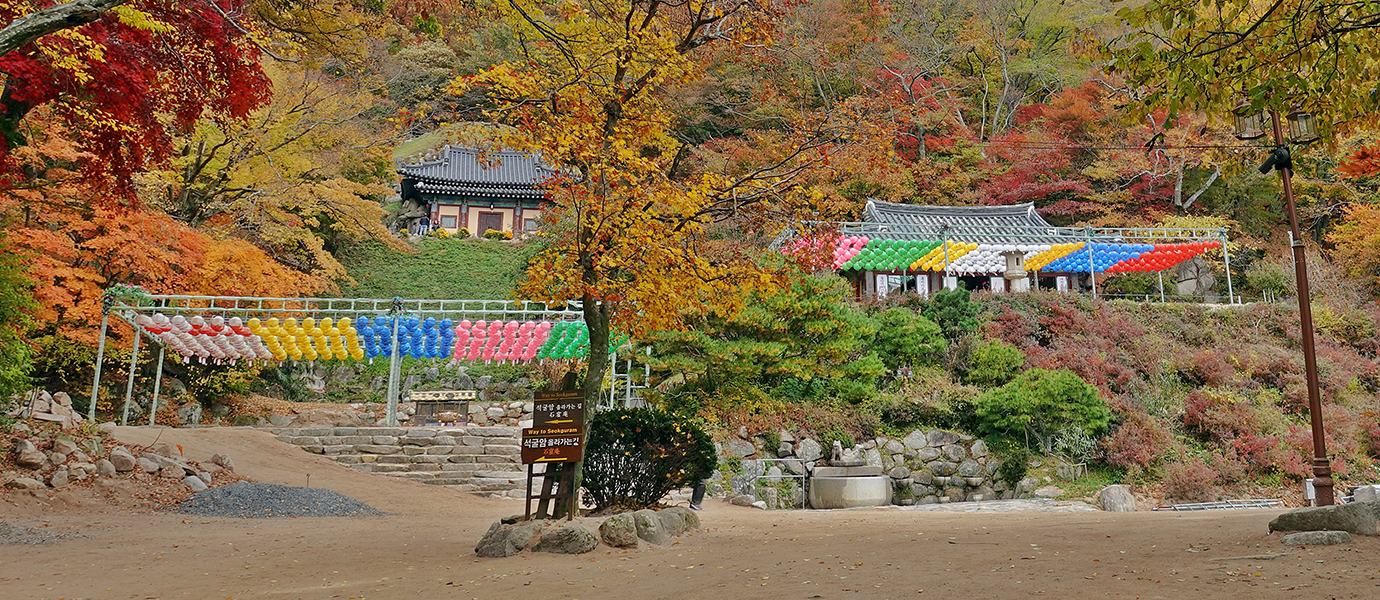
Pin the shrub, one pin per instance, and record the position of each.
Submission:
(1138, 444)
(835, 434)
(442, 234)
(1038, 404)
(1015, 460)
(636, 456)
(494, 234)
(954, 311)
(463, 232)
(907, 339)
(993, 363)
(1189, 481)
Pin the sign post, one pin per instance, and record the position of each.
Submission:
(555, 439)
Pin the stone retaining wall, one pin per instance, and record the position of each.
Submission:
(481, 460)
(926, 467)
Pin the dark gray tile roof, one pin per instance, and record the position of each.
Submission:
(462, 171)
(1014, 224)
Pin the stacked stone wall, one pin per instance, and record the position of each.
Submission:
(481, 460)
(925, 466)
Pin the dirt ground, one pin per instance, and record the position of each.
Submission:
(424, 549)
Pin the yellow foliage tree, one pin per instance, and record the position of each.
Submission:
(630, 231)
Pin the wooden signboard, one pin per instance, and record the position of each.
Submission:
(552, 444)
(558, 409)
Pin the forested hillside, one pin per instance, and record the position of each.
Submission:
(249, 147)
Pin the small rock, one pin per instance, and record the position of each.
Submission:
(223, 461)
(939, 437)
(916, 440)
(619, 531)
(926, 454)
(969, 468)
(1117, 498)
(955, 452)
(204, 477)
(649, 527)
(105, 468)
(59, 479)
(195, 483)
(57, 458)
(26, 455)
(122, 459)
(64, 447)
(166, 451)
(739, 448)
(979, 449)
(25, 483)
(760, 504)
(1366, 493)
(172, 472)
(899, 472)
(794, 466)
(148, 466)
(107, 428)
(809, 450)
(784, 450)
(569, 539)
(1316, 538)
(1049, 491)
(787, 437)
(743, 500)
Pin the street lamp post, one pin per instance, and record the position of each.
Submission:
(1302, 129)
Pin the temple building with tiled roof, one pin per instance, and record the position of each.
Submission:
(463, 187)
(906, 247)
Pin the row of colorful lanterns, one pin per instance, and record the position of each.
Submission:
(862, 253)
(219, 339)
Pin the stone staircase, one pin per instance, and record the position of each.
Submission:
(480, 460)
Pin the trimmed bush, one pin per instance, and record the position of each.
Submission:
(1189, 481)
(907, 339)
(1040, 403)
(993, 363)
(636, 456)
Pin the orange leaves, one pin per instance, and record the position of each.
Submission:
(1364, 162)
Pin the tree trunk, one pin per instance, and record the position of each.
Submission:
(39, 23)
(598, 318)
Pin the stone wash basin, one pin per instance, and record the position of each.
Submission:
(849, 487)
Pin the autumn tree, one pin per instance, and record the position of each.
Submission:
(629, 232)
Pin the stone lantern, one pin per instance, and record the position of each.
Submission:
(1015, 264)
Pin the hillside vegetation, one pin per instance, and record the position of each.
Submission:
(1205, 401)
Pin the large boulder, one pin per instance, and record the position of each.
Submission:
(1117, 498)
(678, 520)
(569, 539)
(649, 527)
(1361, 518)
(507, 540)
(619, 531)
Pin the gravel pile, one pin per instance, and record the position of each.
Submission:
(15, 535)
(251, 500)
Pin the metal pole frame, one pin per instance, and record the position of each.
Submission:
(1322, 467)
(1160, 274)
(394, 364)
(133, 369)
(1226, 260)
(1092, 273)
(106, 303)
(157, 387)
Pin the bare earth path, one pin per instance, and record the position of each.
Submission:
(424, 549)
